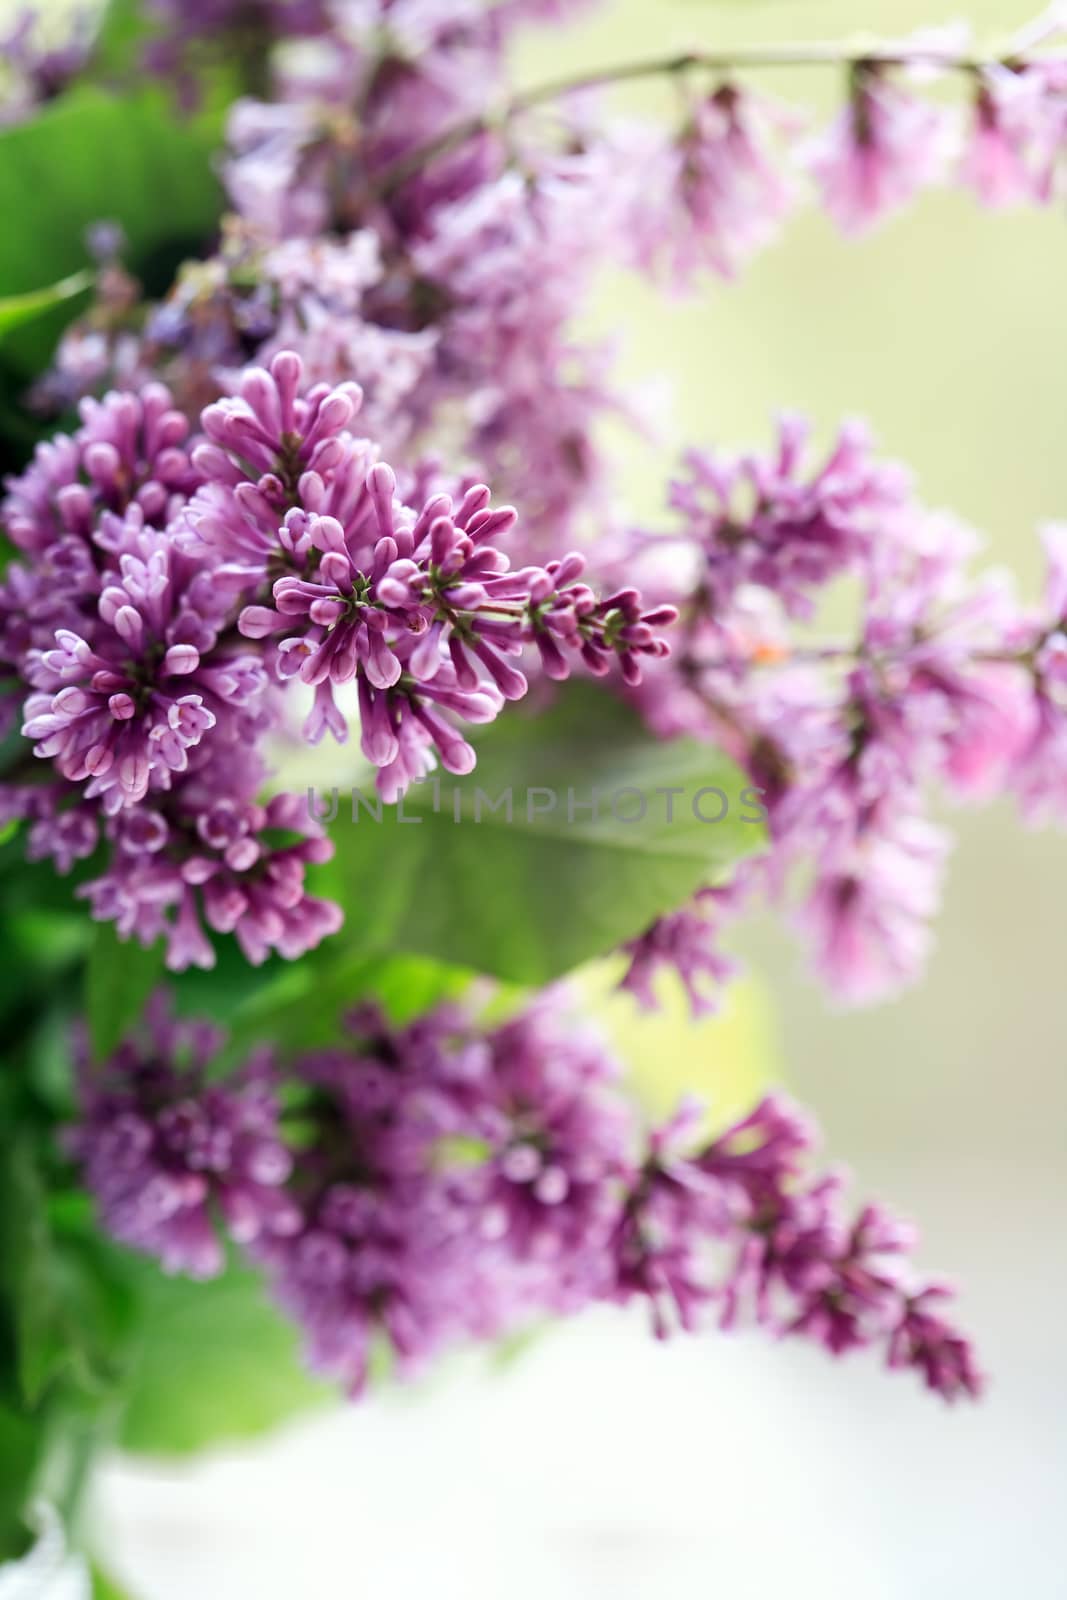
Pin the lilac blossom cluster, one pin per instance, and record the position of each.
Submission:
(948, 681)
(165, 1150)
(38, 61)
(451, 1179)
(397, 215)
(170, 585)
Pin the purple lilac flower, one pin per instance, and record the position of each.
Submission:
(382, 577)
(687, 943)
(661, 1240)
(121, 704)
(378, 1254)
(726, 193)
(1031, 749)
(129, 451)
(1049, 143)
(408, 1237)
(37, 70)
(776, 523)
(947, 680)
(162, 1147)
(510, 262)
(207, 852)
(885, 146)
(794, 1260)
(867, 918)
(61, 828)
(416, 71)
(559, 1138)
(1019, 133)
(914, 701)
(419, 607)
(464, 1178)
(146, 565)
(996, 161)
(57, 591)
(455, 1178)
(921, 1339)
(486, 248)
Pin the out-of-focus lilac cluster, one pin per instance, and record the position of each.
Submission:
(168, 586)
(37, 62)
(396, 215)
(166, 1151)
(787, 1252)
(452, 1180)
(948, 680)
(446, 285)
(718, 190)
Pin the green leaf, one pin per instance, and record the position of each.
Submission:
(22, 1443)
(120, 37)
(119, 978)
(85, 158)
(32, 1300)
(217, 1361)
(42, 949)
(104, 1585)
(65, 1312)
(529, 899)
(91, 156)
(15, 309)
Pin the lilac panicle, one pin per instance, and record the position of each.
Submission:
(1016, 145)
(462, 1181)
(465, 1178)
(455, 1178)
(120, 706)
(781, 523)
(794, 1260)
(686, 942)
(130, 450)
(205, 853)
(944, 679)
(418, 606)
(725, 191)
(886, 145)
(162, 1148)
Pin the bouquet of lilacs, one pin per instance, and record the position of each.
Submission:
(303, 446)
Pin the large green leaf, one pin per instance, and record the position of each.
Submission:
(32, 1303)
(90, 157)
(119, 978)
(65, 1311)
(216, 1361)
(120, 39)
(530, 898)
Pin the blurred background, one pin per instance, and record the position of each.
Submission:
(595, 1463)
